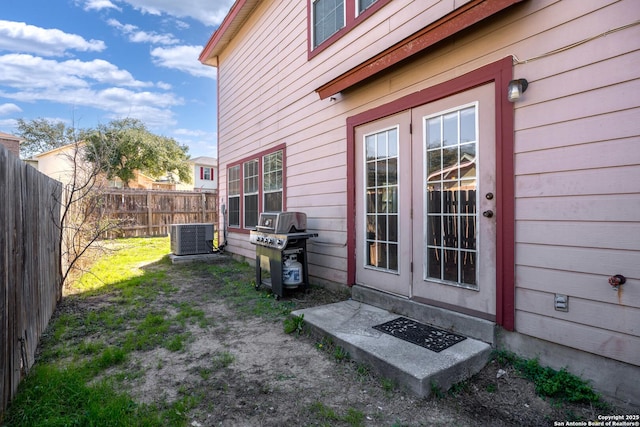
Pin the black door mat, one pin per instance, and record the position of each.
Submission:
(426, 336)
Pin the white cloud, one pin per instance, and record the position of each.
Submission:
(209, 12)
(66, 74)
(190, 132)
(183, 58)
(200, 142)
(6, 109)
(21, 37)
(96, 84)
(138, 36)
(99, 5)
(8, 124)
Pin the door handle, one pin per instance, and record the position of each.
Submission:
(488, 213)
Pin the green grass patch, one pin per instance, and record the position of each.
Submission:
(328, 415)
(62, 397)
(125, 262)
(222, 359)
(560, 385)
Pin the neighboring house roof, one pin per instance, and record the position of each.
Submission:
(11, 142)
(9, 136)
(204, 160)
(57, 150)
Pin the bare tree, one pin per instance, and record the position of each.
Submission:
(82, 223)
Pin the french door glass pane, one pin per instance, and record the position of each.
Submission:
(381, 199)
(450, 195)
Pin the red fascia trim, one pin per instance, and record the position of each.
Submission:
(499, 72)
(456, 21)
(258, 156)
(217, 35)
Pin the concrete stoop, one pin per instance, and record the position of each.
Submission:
(419, 370)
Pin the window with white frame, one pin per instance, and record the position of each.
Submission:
(328, 17)
(272, 181)
(255, 185)
(233, 184)
(206, 174)
(364, 5)
(251, 196)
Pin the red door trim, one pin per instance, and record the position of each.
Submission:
(499, 72)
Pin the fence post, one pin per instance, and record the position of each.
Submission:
(203, 205)
(149, 215)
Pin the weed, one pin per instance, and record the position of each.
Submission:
(491, 388)
(177, 342)
(458, 388)
(323, 411)
(387, 384)
(294, 324)
(340, 354)
(285, 377)
(363, 371)
(223, 359)
(436, 391)
(353, 417)
(325, 344)
(548, 382)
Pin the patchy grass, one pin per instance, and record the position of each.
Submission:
(70, 383)
(74, 381)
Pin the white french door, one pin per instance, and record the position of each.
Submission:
(425, 208)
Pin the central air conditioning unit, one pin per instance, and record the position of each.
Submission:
(191, 239)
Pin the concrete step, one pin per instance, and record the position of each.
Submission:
(419, 370)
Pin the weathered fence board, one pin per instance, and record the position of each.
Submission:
(151, 212)
(30, 276)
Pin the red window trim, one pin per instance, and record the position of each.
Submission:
(499, 72)
(258, 156)
(351, 21)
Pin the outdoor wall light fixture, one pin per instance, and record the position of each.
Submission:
(516, 89)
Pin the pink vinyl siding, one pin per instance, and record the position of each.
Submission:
(577, 173)
(577, 133)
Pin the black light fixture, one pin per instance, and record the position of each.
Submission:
(516, 89)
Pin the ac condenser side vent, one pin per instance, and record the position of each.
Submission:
(191, 239)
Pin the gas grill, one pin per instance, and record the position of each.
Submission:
(281, 250)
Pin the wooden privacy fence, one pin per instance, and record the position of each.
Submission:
(151, 212)
(30, 276)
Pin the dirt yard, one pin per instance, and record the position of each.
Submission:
(243, 370)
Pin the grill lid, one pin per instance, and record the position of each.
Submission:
(282, 222)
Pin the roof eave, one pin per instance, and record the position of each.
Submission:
(230, 26)
(464, 17)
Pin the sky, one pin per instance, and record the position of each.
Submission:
(87, 62)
